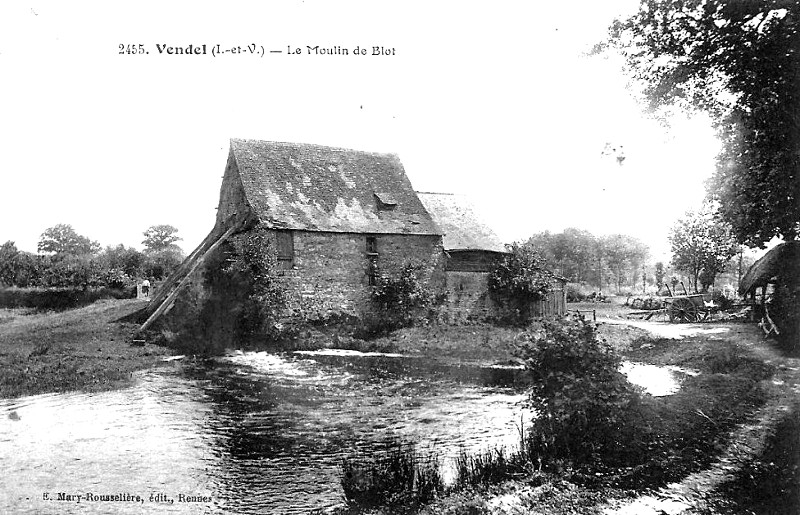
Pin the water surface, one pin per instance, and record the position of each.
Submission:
(253, 433)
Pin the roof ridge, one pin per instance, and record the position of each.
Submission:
(312, 145)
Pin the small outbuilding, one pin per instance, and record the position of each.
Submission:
(772, 286)
(472, 250)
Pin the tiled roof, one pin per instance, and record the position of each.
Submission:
(462, 227)
(311, 187)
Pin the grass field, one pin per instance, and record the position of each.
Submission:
(86, 349)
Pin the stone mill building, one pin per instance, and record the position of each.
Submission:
(339, 218)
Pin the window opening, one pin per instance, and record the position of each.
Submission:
(285, 248)
(372, 260)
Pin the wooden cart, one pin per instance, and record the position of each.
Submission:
(688, 308)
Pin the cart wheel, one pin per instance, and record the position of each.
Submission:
(682, 311)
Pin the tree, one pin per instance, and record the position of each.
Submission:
(624, 254)
(160, 238)
(702, 245)
(127, 260)
(740, 62)
(659, 273)
(8, 263)
(579, 243)
(62, 240)
(570, 251)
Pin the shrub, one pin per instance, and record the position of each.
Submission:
(587, 410)
(518, 280)
(58, 299)
(723, 299)
(576, 292)
(401, 301)
(159, 265)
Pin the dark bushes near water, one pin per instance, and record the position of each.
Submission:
(593, 423)
(490, 466)
(588, 412)
(401, 477)
(400, 301)
(59, 299)
(594, 428)
(517, 281)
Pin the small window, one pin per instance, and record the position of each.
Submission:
(372, 260)
(372, 245)
(285, 243)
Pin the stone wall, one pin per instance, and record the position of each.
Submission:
(329, 273)
(468, 297)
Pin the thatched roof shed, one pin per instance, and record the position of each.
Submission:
(780, 264)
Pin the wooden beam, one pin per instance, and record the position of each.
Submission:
(167, 287)
(167, 303)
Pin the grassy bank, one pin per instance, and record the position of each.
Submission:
(87, 349)
(469, 343)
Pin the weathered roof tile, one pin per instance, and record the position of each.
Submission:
(462, 227)
(311, 187)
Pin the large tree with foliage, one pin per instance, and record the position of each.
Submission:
(624, 254)
(160, 238)
(9, 255)
(570, 252)
(740, 62)
(702, 245)
(62, 240)
(163, 255)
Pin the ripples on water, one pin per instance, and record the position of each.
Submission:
(259, 433)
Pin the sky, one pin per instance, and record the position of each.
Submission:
(497, 100)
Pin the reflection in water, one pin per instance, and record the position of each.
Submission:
(656, 380)
(256, 432)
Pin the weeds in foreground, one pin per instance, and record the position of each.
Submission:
(402, 476)
(489, 467)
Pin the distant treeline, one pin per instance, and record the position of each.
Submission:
(599, 261)
(69, 260)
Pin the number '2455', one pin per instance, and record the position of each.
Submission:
(132, 49)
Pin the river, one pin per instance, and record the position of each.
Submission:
(253, 432)
(248, 433)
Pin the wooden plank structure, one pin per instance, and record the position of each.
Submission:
(166, 295)
(555, 302)
(778, 267)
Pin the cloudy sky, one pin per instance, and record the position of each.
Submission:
(494, 100)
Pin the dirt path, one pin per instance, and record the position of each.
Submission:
(746, 442)
(667, 330)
